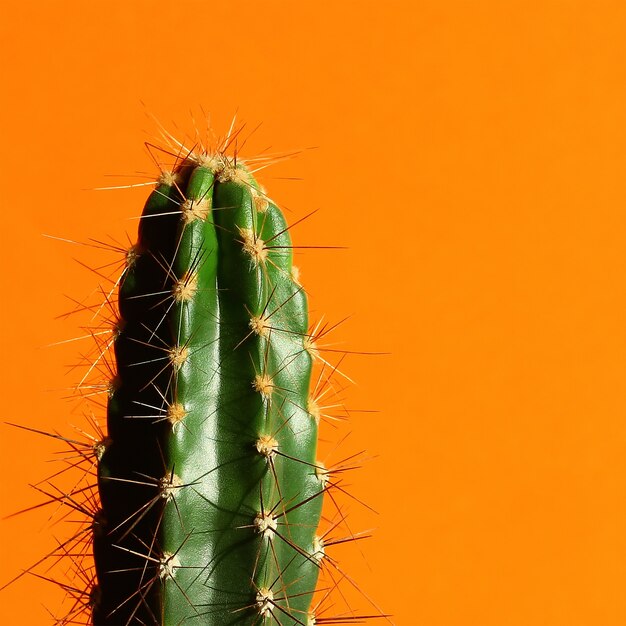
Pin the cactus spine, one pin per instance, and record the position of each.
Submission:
(209, 485)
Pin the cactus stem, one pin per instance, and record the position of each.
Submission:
(207, 359)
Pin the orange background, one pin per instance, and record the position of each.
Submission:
(472, 158)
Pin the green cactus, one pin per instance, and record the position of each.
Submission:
(208, 491)
(210, 488)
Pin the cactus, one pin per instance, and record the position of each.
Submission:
(201, 500)
(209, 485)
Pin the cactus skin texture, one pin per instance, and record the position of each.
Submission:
(210, 490)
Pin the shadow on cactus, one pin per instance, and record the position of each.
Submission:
(209, 490)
